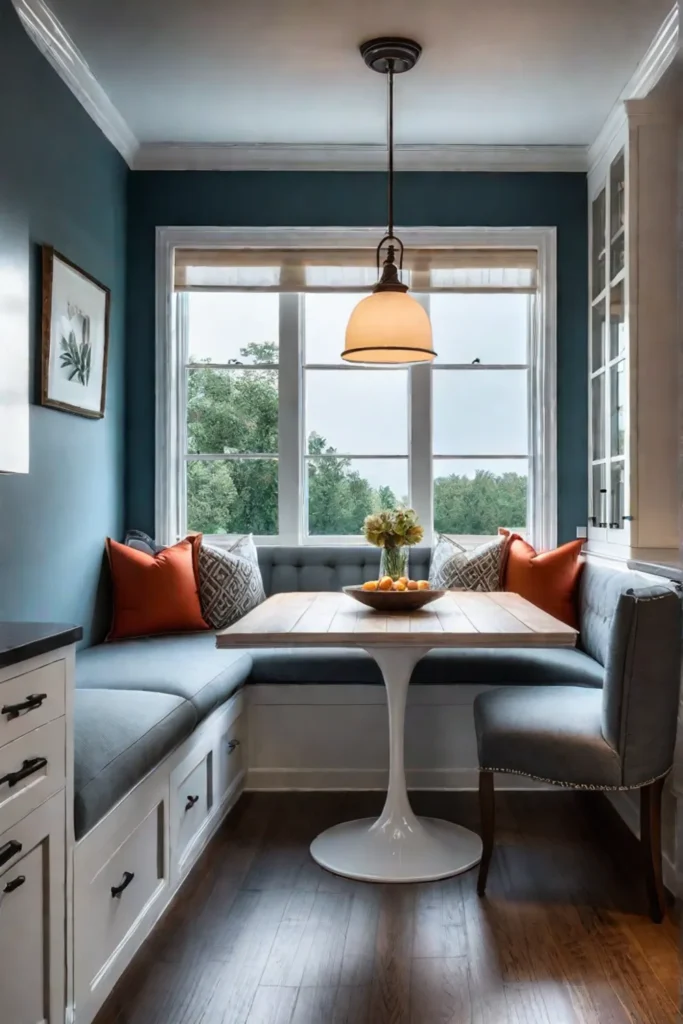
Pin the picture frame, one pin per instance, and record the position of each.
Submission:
(75, 337)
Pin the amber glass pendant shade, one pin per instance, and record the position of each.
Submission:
(388, 327)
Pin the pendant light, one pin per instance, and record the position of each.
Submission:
(389, 326)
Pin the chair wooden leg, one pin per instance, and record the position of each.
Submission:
(487, 812)
(651, 842)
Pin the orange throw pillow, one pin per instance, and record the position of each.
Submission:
(549, 580)
(155, 593)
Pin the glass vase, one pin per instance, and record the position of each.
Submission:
(393, 562)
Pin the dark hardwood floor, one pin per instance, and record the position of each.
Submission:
(261, 935)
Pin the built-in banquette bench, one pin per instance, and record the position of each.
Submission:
(163, 738)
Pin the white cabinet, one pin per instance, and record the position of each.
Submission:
(36, 800)
(14, 335)
(632, 357)
(32, 916)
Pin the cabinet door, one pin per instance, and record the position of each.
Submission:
(32, 884)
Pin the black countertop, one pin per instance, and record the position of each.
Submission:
(22, 640)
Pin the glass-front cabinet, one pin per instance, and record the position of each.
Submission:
(634, 497)
(609, 493)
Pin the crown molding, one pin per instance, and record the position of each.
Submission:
(45, 30)
(300, 157)
(658, 58)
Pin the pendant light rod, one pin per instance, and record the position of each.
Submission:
(390, 56)
(390, 218)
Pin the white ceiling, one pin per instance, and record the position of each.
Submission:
(493, 72)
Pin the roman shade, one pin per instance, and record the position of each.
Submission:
(353, 270)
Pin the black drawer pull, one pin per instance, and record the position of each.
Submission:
(9, 850)
(116, 890)
(232, 745)
(29, 767)
(15, 883)
(30, 704)
(191, 801)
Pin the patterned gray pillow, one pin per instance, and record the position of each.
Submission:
(453, 567)
(230, 583)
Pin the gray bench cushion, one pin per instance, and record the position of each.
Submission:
(188, 666)
(547, 732)
(485, 665)
(119, 739)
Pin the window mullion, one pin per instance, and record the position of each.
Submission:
(180, 497)
(420, 440)
(290, 490)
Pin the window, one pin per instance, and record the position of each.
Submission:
(265, 429)
(480, 401)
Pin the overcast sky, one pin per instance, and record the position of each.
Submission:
(476, 412)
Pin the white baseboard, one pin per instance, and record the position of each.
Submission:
(376, 779)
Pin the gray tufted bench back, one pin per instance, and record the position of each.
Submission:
(328, 567)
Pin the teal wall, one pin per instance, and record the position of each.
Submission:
(62, 183)
(285, 198)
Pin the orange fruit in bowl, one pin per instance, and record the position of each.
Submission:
(423, 584)
(403, 579)
(386, 583)
(412, 585)
(370, 585)
(400, 586)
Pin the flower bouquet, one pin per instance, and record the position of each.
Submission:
(394, 531)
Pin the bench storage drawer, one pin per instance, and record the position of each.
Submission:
(113, 894)
(191, 805)
(31, 699)
(229, 757)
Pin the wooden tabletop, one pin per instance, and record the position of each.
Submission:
(460, 619)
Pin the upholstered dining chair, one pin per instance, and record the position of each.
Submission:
(620, 737)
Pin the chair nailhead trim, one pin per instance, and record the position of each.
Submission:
(577, 785)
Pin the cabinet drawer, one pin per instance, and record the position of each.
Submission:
(32, 881)
(230, 758)
(191, 805)
(30, 700)
(32, 768)
(111, 900)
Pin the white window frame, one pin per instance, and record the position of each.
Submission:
(170, 376)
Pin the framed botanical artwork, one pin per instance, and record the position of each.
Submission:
(75, 337)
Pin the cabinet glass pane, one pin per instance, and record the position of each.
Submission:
(617, 476)
(617, 215)
(599, 496)
(598, 336)
(598, 417)
(598, 258)
(617, 322)
(618, 407)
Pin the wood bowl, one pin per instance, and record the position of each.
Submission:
(394, 600)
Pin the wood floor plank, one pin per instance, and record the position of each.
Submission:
(273, 1005)
(260, 934)
(288, 938)
(391, 983)
(315, 1005)
(358, 962)
(440, 991)
(440, 920)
